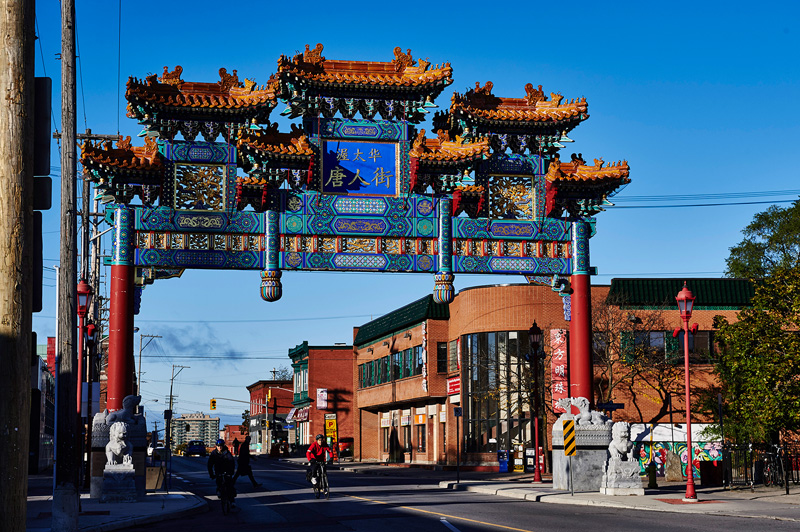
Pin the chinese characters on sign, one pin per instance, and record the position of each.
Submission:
(350, 167)
(559, 369)
(322, 398)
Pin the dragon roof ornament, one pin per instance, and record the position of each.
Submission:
(481, 103)
(402, 71)
(443, 149)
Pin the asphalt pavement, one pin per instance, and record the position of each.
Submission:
(766, 503)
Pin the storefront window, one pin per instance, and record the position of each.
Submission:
(497, 407)
(421, 438)
(407, 444)
(386, 442)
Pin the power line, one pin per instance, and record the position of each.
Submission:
(615, 207)
(720, 195)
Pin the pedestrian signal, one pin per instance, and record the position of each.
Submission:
(213, 404)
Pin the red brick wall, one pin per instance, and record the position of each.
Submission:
(331, 368)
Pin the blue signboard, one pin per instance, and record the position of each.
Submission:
(359, 168)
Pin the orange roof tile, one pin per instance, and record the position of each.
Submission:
(443, 149)
(533, 107)
(402, 71)
(171, 91)
(577, 171)
(138, 158)
(270, 140)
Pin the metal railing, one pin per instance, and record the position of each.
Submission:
(751, 465)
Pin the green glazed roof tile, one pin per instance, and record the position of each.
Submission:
(733, 293)
(404, 317)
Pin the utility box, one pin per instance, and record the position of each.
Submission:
(502, 459)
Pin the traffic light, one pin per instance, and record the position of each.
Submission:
(213, 404)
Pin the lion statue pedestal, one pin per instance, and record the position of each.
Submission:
(119, 440)
(592, 436)
(621, 475)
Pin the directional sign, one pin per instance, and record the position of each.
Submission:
(569, 437)
(457, 411)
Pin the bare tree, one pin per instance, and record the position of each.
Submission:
(634, 355)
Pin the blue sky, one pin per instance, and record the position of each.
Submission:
(699, 98)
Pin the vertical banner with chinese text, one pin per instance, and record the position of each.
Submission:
(559, 377)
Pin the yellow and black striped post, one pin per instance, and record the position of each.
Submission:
(569, 437)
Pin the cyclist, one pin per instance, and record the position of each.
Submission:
(221, 463)
(316, 454)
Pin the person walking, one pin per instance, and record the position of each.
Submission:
(236, 444)
(244, 463)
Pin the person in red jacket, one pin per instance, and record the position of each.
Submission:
(315, 454)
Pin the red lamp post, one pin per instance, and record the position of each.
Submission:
(685, 301)
(84, 300)
(535, 335)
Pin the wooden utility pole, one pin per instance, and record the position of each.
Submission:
(16, 255)
(65, 491)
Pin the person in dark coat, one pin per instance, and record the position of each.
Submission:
(236, 444)
(244, 463)
(220, 463)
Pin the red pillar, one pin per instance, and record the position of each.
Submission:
(120, 336)
(580, 337)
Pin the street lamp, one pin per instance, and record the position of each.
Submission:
(685, 301)
(535, 335)
(84, 292)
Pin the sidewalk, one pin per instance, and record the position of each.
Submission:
(772, 503)
(96, 516)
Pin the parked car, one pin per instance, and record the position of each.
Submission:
(196, 448)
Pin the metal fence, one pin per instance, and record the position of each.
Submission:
(751, 465)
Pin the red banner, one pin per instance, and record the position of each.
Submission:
(51, 354)
(559, 370)
(453, 385)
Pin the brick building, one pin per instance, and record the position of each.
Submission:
(323, 395)
(229, 433)
(416, 364)
(270, 403)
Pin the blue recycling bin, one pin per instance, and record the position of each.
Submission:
(502, 459)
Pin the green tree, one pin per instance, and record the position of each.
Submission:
(771, 240)
(245, 426)
(759, 367)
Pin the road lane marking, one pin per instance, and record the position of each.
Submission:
(447, 516)
(448, 525)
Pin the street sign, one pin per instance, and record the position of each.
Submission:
(569, 437)
(610, 406)
(458, 411)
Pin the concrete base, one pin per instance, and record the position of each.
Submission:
(587, 469)
(119, 484)
(622, 491)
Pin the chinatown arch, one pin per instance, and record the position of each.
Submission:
(353, 186)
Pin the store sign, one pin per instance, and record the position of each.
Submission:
(419, 419)
(559, 368)
(359, 167)
(386, 422)
(453, 385)
(301, 415)
(322, 398)
(405, 420)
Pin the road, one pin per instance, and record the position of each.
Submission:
(387, 504)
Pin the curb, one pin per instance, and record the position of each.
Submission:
(200, 506)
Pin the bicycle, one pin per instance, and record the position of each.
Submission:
(321, 486)
(226, 493)
(773, 468)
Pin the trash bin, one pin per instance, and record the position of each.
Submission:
(710, 473)
(502, 459)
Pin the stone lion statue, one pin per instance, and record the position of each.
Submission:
(126, 414)
(118, 450)
(621, 446)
